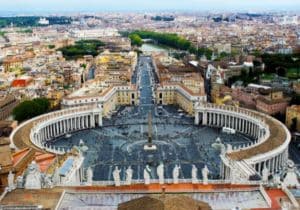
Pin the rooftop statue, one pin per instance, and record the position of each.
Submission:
(176, 174)
(160, 173)
(194, 174)
(205, 173)
(116, 176)
(129, 173)
(33, 178)
(146, 174)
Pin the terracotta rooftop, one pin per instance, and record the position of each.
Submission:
(48, 198)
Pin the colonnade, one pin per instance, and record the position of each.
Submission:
(274, 164)
(64, 122)
(246, 125)
(252, 124)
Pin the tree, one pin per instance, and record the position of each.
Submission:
(81, 48)
(51, 46)
(136, 39)
(31, 108)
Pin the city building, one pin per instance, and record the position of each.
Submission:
(293, 117)
(7, 104)
(178, 83)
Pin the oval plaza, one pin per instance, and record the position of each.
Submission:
(156, 130)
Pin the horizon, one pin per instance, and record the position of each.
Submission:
(15, 7)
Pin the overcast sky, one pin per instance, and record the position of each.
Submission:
(147, 5)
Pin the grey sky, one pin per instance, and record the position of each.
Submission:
(127, 5)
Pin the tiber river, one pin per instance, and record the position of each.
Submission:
(148, 47)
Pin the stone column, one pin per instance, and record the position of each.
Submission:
(222, 120)
(196, 118)
(76, 123)
(51, 131)
(218, 120)
(208, 118)
(65, 126)
(276, 163)
(44, 133)
(92, 120)
(100, 119)
(48, 132)
(259, 167)
(86, 122)
(204, 118)
(242, 125)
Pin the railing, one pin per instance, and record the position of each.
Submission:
(170, 181)
(290, 196)
(265, 195)
(3, 194)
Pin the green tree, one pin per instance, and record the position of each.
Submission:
(51, 46)
(81, 48)
(136, 40)
(31, 108)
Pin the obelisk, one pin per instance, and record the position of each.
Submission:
(149, 145)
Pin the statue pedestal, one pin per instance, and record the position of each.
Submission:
(150, 147)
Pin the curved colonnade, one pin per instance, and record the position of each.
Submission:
(269, 148)
(55, 124)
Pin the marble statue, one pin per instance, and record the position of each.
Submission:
(291, 178)
(229, 148)
(33, 178)
(56, 177)
(116, 176)
(265, 174)
(276, 179)
(147, 172)
(89, 176)
(10, 179)
(20, 182)
(48, 182)
(205, 173)
(218, 145)
(176, 174)
(194, 174)
(129, 173)
(160, 173)
(82, 147)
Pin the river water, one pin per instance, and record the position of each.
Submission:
(148, 47)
